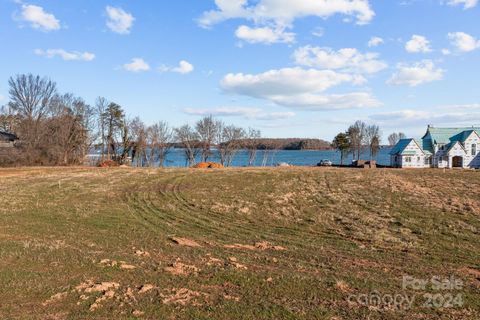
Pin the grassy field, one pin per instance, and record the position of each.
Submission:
(293, 243)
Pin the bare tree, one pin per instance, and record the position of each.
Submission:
(30, 95)
(229, 143)
(101, 106)
(126, 140)
(207, 130)
(373, 139)
(30, 99)
(188, 138)
(138, 132)
(159, 138)
(356, 134)
(395, 137)
(251, 144)
(69, 130)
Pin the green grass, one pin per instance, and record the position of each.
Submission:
(344, 232)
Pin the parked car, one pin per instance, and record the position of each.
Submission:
(325, 163)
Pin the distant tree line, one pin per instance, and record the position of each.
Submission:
(61, 129)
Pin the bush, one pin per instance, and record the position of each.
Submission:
(108, 164)
(208, 165)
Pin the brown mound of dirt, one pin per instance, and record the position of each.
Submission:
(183, 297)
(208, 165)
(185, 242)
(181, 269)
(55, 298)
(263, 245)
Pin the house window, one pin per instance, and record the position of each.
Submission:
(408, 159)
(441, 147)
(428, 160)
(474, 149)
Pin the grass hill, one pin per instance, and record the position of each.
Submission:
(293, 243)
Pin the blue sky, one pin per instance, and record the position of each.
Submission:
(304, 68)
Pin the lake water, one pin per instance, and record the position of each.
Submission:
(297, 157)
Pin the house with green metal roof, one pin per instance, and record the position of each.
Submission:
(439, 148)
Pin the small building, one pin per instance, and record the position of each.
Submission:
(439, 148)
(7, 140)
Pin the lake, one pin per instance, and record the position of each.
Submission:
(295, 157)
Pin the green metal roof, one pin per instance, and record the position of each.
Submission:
(399, 148)
(426, 145)
(446, 135)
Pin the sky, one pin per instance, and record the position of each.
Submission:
(303, 68)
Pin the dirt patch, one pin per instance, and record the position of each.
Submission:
(55, 298)
(121, 264)
(180, 269)
(89, 286)
(185, 242)
(141, 253)
(343, 286)
(234, 262)
(470, 272)
(184, 297)
(146, 288)
(107, 295)
(106, 289)
(263, 245)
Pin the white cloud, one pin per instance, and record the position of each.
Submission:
(301, 88)
(416, 74)
(412, 118)
(38, 18)
(118, 20)
(184, 67)
(318, 32)
(286, 81)
(322, 102)
(375, 42)
(463, 41)
(65, 55)
(418, 44)
(283, 12)
(446, 52)
(348, 59)
(136, 65)
(245, 112)
(264, 35)
(467, 4)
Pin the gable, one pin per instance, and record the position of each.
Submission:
(406, 147)
(456, 147)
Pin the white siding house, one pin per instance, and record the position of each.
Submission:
(439, 148)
